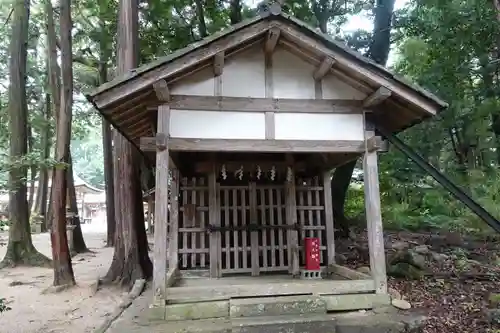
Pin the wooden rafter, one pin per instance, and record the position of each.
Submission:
(271, 41)
(323, 68)
(219, 63)
(161, 89)
(380, 95)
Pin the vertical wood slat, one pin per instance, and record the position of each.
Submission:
(281, 243)
(203, 256)
(374, 221)
(254, 237)
(236, 222)
(319, 221)
(291, 217)
(227, 235)
(194, 235)
(161, 210)
(244, 242)
(312, 232)
(329, 222)
(184, 233)
(174, 219)
(213, 219)
(272, 232)
(264, 232)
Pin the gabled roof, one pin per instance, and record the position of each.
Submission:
(124, 101)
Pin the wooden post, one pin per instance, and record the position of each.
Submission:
(173, 245)
(254, 236)
(213, 219)
(161, 210)
(374, 220)
(329, 222)
(291, 219)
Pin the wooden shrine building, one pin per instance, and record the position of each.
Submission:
(245, 127)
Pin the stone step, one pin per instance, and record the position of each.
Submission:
(197, 310)
(276, 306)
(289, 324)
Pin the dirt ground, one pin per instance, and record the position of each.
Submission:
(77, 310)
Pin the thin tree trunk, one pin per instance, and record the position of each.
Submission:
(55, 84)
(43, 180)
(78, 241)
(107, 146)
(200, 12)
(20, 249)
(33, 171)
(379, 52)
(235, 11)
(130, 258)
(63, 270)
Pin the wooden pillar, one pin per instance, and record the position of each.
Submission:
(329, 222)
(374, 220)
(213, 219)
(173, 232)
(161, 209)
(291, 219)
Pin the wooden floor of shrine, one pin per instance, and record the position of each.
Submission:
(196, 286)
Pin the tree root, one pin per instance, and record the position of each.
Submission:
(137, 289)
(30, 257)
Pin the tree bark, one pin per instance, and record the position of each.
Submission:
(235, 11)
(20, 249)
(200, 12)
(33, 171)
(107, 146)
(78, 241)
(43, 180)
(63, 269)
(379, 52)
(54, 76)
(130, 258)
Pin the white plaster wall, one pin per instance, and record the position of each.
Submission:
(292, 77)
(200, 83)
(244, 74)
(334, 88)
(310, 126)
(217, 124)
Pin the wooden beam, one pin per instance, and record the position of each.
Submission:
(213, 45)
(380, 95)
(213, 219)
(249, 104)
(161, 211)
(272, 38)
(219, 63)
(254, 235)
(291, 219)
(270, 146)
(323, 68)
(329, 221)
(374, 221)
(232, 166)
(346, 272)
(161, 89)
(173, 234)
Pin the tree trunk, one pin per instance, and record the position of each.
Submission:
(78, 241)
(20, 249)
(379, 52)
(107, 146)
(130, 258)
(235, 11)
(33, 171)
(43, 180)
(200, 12)
(54, 76)
(63, 270)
